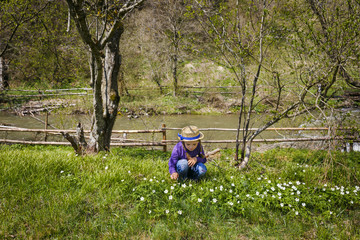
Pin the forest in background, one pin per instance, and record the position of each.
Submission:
(42, 51)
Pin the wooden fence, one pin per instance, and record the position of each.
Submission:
(164, 142)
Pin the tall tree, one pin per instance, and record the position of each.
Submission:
(100, 25)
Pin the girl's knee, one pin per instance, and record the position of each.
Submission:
(182, 166)
(201, 169)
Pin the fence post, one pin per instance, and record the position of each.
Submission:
(164, 136)
(46, 124)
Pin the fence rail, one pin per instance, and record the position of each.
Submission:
(116, 141)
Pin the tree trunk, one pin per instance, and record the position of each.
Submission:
(3, 74)
(105, 71)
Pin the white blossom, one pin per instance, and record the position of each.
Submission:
(170, 197)
(166, 191)
(214, 200)
(179, 212)
(142, 198)
(199, 200)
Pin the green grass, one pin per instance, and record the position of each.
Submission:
(50, 193)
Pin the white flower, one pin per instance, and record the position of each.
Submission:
(199, 200)
(129, 171)
(298, 183)
(221, 188)
(269, 181)
(279, 193)
(172, 187)
(303, 204)
(272, 188)
(237, 196)
(122, 180)
(214, 200)
(296, 199)
(281, 205)
(104, 157)
(179, 212)
(298, 192)
(142, 198)
(166, 191)
(296, 213)
(170, 197)
(351, 202)
(259, 178)
(342, 193)
(150, 180)
(232, 177)
(329, 200)
(211, 190)
(230, 203)
(61, 171)
(106, 168)
(184, 185)
(289, 205)
(247, 195)
(332, 189)
(167, 211)
(331, 212)
(190, 185)
(233, 185)
(230, 191)
(257, 193)
(290, 183)
(133, 189)
(153, 191)
(150, 212)
(273, 196)
(144, 178)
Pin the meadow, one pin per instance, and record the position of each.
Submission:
(48, 192)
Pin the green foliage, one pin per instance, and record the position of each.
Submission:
(49, 192)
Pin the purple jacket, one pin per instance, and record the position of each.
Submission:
(180, 153)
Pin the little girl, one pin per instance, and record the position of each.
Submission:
(188, 157)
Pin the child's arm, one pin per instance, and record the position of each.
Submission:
(173, 160)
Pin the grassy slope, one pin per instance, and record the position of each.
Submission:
(48, 192)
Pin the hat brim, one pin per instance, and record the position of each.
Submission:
(192, 140)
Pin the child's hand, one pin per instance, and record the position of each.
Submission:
(192, 161)
(175, 175)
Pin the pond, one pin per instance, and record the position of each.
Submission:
(171, 121)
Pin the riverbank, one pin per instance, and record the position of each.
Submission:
(48, 192)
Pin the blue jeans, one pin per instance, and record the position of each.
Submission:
(195, 172)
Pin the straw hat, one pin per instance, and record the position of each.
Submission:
(190, 133)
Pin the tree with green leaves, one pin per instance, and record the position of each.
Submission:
(100, 26)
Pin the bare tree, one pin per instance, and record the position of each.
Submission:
(13, 14)
(241, 33)
(100, 25)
